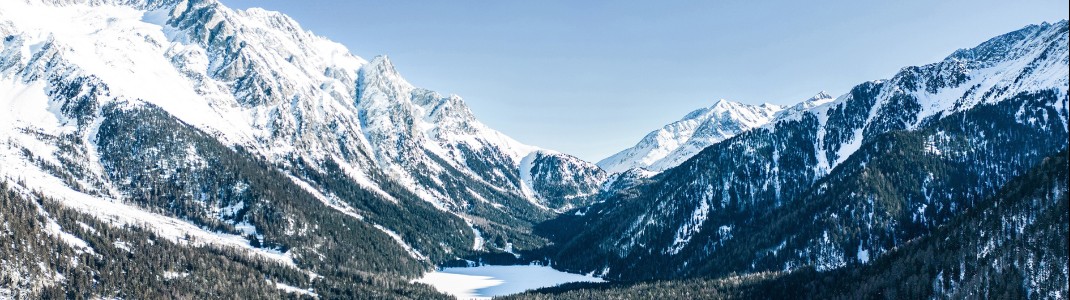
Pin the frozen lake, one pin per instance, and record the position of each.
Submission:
(489, 281)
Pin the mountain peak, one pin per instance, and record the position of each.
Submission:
(822, 95)
(302, 105)
(380, 70)
(273, 18)
(1000, 48)
(382, 63)
(820, 98)
(723, 105)
(676, 142)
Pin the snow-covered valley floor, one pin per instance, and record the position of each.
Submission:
(489, 281)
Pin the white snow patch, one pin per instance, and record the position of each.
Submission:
(294, 290)
(121, 245)
(478, 241)
(115, 212)
(331, 200)
(170, 275)
(78, 244)
(408, 248)
(527, 183)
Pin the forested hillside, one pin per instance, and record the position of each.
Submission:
(842, 183)
(1011, 245)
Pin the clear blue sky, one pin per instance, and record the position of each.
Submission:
(590, 78)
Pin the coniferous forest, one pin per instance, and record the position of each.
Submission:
(183, 149)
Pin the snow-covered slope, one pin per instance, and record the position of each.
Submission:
(829, 183)
(440, 140)
(676, 142)
(349, 131)
(568, 180)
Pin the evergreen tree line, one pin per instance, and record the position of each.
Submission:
(770, 212)
(132, 262)
(1011, 245)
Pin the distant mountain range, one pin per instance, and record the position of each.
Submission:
(183, 149)
(839, 183)
(676, 142)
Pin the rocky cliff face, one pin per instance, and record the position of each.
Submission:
(242, 124)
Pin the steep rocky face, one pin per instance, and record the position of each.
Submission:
(245, 130)
(842, 182)
(570, 180)
(625, 180)
(676, 142)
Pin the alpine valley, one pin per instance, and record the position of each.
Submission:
(183, 149)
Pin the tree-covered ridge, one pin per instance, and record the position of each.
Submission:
(840, 183)
(896, 187)
(168, 167)
(353, 131)
(1011, 245)
(248, 158)
(51, 252)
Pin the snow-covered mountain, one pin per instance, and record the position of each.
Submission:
(180, 148)
(832, 183)
(816, 100)
(196, 119)
(676, 142)
(552, 175)
(426, 140)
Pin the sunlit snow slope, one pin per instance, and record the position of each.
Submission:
(102, 102)
(676, 142)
